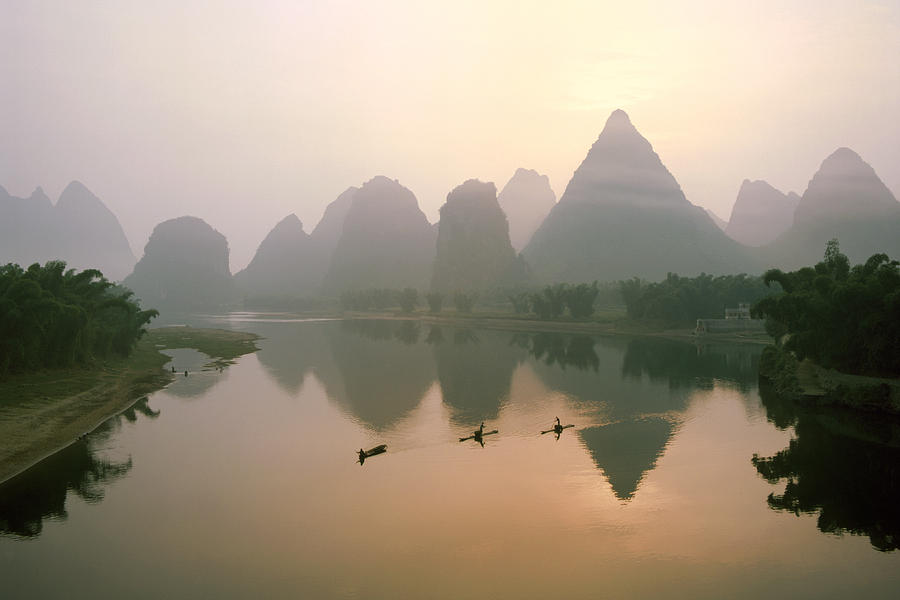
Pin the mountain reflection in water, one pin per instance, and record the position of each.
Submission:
(633, 393)
(654, 475)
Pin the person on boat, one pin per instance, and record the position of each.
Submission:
(480, 431)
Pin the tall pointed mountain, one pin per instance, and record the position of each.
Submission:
(473, 247)
(846, 200)
(624, 215)
(281, 265)
(79, 229)
(527, 200)
(386, 241)
(184, 267)
(90, 234)
(761, 213)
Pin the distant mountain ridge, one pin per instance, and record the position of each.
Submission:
(624, 215)
(527, 199)
(282, 263)
(846, 200)
(79, 229)
(761, 213)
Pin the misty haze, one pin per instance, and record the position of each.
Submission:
(443, 300)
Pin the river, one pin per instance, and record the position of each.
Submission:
(676, 480)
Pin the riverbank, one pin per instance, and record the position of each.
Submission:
(43, 412)
(610, 326)
(810, 384)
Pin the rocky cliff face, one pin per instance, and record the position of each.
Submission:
(761, 213)
(527, 200)
(79, 229)
(624, 215)
(184, 267)
(282, 263)
(473, 245)
(385, 242)
(846, 200)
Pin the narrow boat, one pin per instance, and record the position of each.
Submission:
(364, 454)
(477, 436)
(556, 429)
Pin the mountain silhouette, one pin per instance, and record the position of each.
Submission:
(846, 200)
(185, 266)
(386, 241)
(282, 263)
(719, 221)
(761, 213)
(624, 215)
(79, 230)
(473, 248)
(526, 199)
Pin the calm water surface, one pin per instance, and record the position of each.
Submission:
(676, 481)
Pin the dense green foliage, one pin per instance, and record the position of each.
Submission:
(682, 300)
(408, 299)
(53, 317)
(841, 317)
(464, 302)
(553, 300)
(435, 301)
(373, 298)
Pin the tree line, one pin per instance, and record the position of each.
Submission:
(551, 302)
(842, 317)
(53, 317)
(682, 300)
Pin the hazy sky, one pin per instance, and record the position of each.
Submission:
(242, 112)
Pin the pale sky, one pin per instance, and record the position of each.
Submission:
(243, 112)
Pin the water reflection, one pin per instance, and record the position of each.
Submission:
(194, 375)
(40, 493)
(633, 392)
(475, 372)
(840, 466)
(375, 370)
(558, 349)
(626, 451)
(687, 365)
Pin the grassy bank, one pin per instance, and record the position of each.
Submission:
(45, 411)
(807, 383)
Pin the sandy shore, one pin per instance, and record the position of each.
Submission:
(42, 413)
